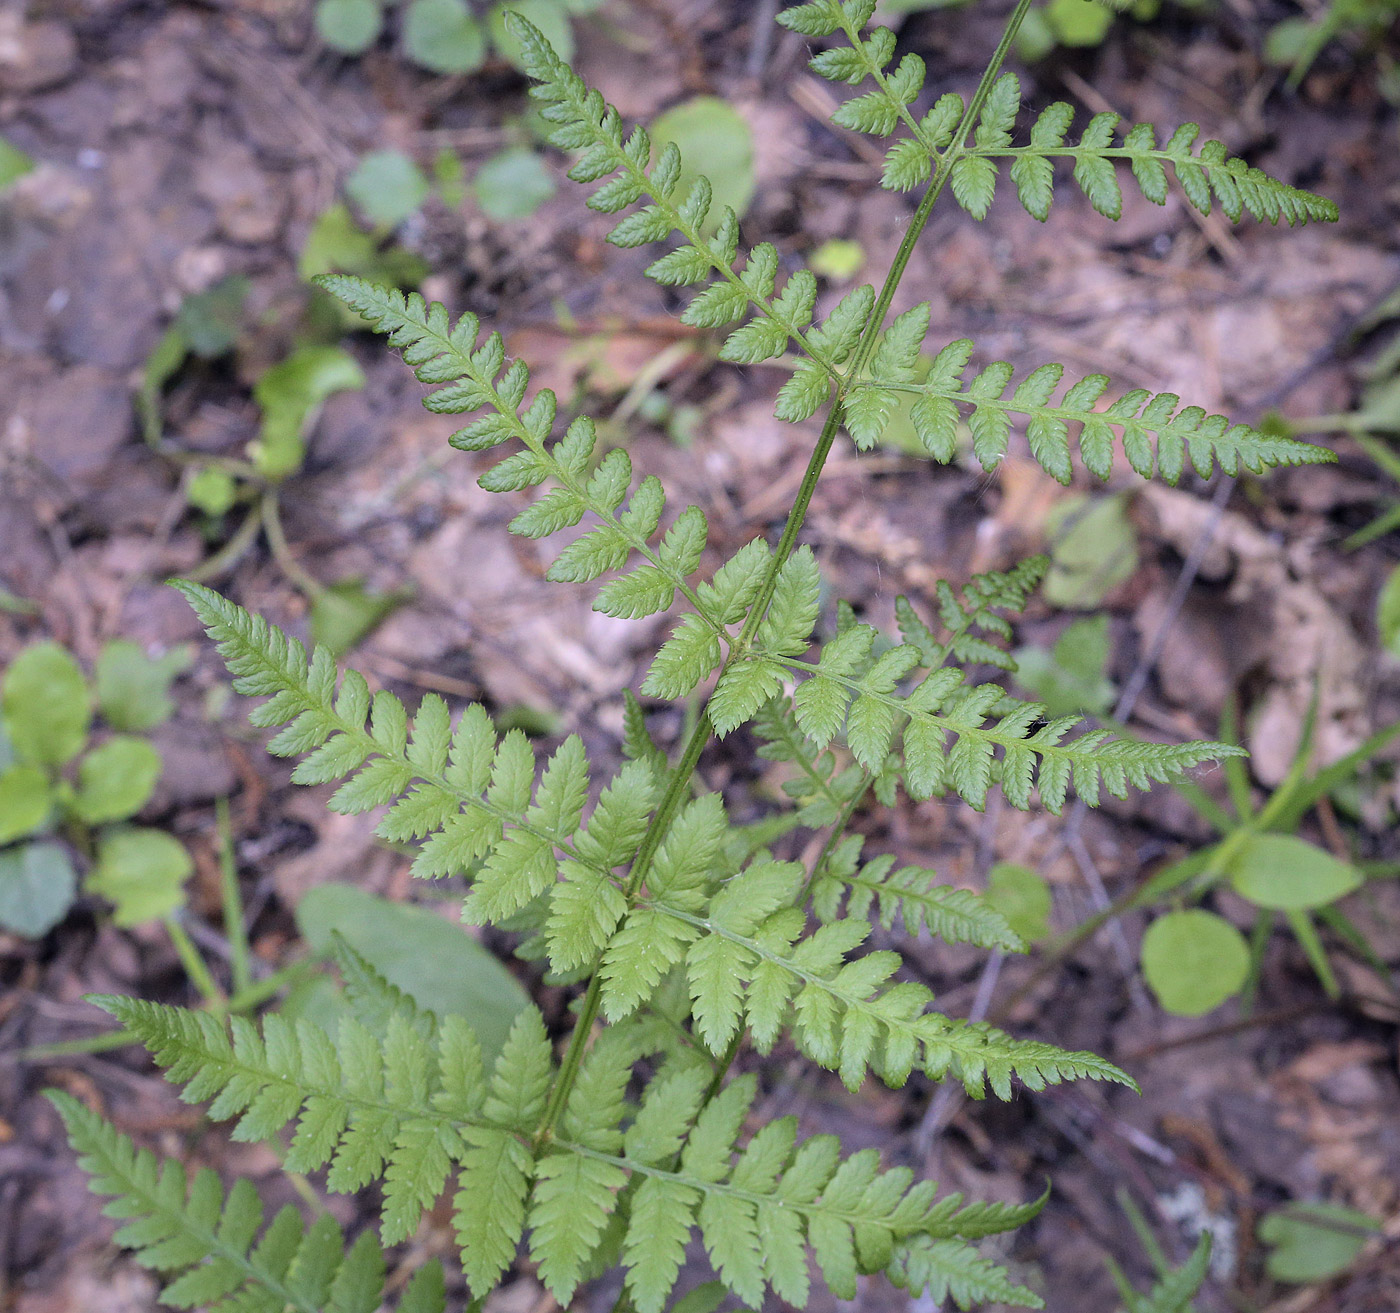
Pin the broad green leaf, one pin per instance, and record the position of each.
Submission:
(115, 779)
(46, 705)
(513, 184)
(1093, 549)
(1022, 896)
(37, 887)
(1287, 873)
(142, 872)
(1079, 22)
(387, 186)
(1193, 961)
(24, 801)
(408, 946)
(443, 36)
(337, 244)
(349, 26)
(1311, 1242)
(715, 142)
(343, 613)
(547, 15)
(133, 689)
(291, 394)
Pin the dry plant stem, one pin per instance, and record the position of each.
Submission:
(678, 785)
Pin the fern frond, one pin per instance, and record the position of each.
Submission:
(382, 1105)
(585, 122)
(1139, 416)
(823, 787)
(1208, 171)
(844, 687)
(478, 378)
(1174, 1292)
(748, 963)
(908, 895)
(470, 796)
(948, 1269)
(973, 607)
(213, 1249)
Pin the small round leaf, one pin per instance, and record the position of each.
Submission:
(443, 37)
(37, 884)
(47, 706)
(513, 184)
(1193, 961)
(1023, 897)
(24, 801)
(115, 779)
(142, 872)
(349, 26)
(387, 187)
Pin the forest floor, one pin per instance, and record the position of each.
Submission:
(181, 144)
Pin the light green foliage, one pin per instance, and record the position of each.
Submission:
(387, 186)
(14, 163)
(716, 144)
(1022, 896)
(513, 184)
(291, 395)
(1070, 676)
(621, 1145)
(1193, 961)
(1174, 1289)
(54, 770)
(1266, 862)
(1311, 1242)
(1093, 550)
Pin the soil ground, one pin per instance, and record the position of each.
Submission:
(179, 144)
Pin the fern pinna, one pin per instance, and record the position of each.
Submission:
(691, 933)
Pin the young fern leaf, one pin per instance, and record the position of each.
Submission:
(843, 684)
(1181, 435)
(822, 787)
(477, 378)
(470, 796)
(973, 607)
(748, 963)
(1210, 171)
(908, 896)
(213, 1249)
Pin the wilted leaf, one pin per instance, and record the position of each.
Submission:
(1193, 961)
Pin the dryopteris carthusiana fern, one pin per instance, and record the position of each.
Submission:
(689, 931)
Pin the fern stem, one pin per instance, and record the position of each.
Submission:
(240, 961)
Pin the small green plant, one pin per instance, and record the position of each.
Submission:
(1310, 1242)
(608, 1144)
(63, 788)
(1175, 1288)
(1296, 43)
(1194, 959)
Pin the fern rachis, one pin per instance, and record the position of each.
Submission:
(689, 931)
